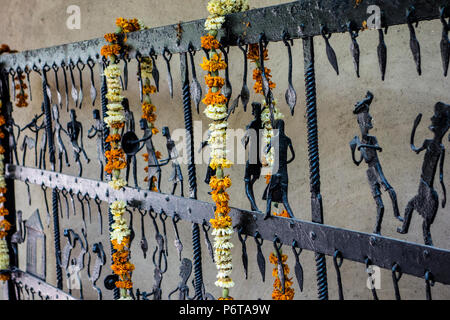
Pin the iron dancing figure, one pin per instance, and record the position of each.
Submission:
(253, 165)
(62, 151)
(426, 202)
(177, 176)
(131, 146)
(35, 128)
(277, 189)
(75, 130)
(97, 131)
(130, 125)
(368, 146)
(9, 127)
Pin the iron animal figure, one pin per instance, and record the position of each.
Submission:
(75, 130)
(426, 202)
(177, 176)
(277, 189)
(97, 131)
(368, 146)
(62, 151)
(253, 165)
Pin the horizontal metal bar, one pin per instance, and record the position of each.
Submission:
(273, 21)
(47, 291)
(414, 259)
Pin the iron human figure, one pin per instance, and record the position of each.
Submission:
(130, 125)
(97, 130)
(253, 165)
(426, 202)
(177, 176)
(277, 189)
(62, 151)
(75, 130)
(368, 146)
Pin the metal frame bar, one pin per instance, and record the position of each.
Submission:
(384, 252)
(48, 292)
(273, 21)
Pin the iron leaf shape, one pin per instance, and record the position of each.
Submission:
(382, 57)
(331, 56)
(354, 49)
(261, 264)
(291, 98)
(415, 49)
(234, 105)
(75, 95)
(299, 275)
(445, 48)
(144, 247)
(93, 94)
(245, 96)
(80, 97)
(155, 74)
(170, 83)
(179, 245)
(196, 93)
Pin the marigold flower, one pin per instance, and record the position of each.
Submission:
(212, 98)
(209, 42)
(149, 89)
(217, 82)
(111, 37)
(214, 64)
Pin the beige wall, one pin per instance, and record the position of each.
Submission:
(347, 199)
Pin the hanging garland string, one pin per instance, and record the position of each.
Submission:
(268, 160)
(149, 112)
(116, 160)
(5, 226)
(216, 110)
(278, 293)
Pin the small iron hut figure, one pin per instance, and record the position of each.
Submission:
(97, 130)
(75, 130)
(426, 202)
(177, 176)
(277, 189)
(253, 166)
(368, 146)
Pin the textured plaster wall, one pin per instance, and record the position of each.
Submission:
(347, 199)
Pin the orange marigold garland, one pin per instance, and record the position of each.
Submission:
(216, 110)
(5, 226)
(149, 111)
(278, 293)
(116, 159)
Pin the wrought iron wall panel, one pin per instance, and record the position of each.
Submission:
(272, 21)
(384, 252)
(300, 19)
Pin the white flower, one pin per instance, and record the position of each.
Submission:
(214, 23)
(216, 126)
(224, 283)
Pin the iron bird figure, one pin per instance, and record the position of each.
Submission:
(426, 202)
(368, 146)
